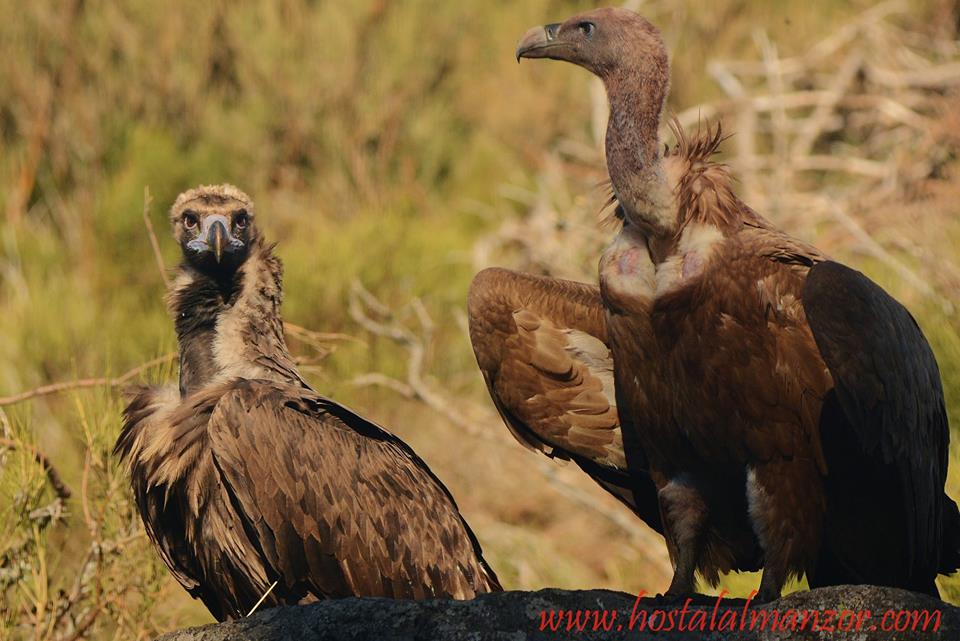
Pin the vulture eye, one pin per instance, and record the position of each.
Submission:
(241, 219)
(190, 220)
(587, 28)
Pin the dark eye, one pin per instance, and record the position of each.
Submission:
(190, 219)
(241, 218)
(587, 28)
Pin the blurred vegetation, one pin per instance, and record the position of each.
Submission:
(381, 140)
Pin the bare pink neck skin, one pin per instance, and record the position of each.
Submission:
(633, 149)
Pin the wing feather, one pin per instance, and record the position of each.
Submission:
(541, 344)
(888, 388)
(332, 494)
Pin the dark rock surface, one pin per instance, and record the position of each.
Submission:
(515, 616)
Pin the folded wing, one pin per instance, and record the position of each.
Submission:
(884, 428)
(337, 502)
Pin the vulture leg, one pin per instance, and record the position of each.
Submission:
(788, 529)
(685, 517)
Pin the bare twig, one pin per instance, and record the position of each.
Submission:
(841, 164)
(85, 623)
(934, 77)
(877, 251)
(827, 47)
(80, 582)
(782, 170)
(92, 525)
(323, 343)
(154, 243)
(815, 124)
(56, 388)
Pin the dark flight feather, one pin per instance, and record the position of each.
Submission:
(887, 386)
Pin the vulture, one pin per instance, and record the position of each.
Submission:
(773, 396)
(250, 484)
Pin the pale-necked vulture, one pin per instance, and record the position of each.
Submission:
(246, 477)
(752, 368)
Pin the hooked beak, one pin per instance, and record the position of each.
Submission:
(215, 237)
(537, 41)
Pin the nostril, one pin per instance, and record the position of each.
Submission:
(552, 30)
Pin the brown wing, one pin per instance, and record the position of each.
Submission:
(338, 506)
(541, 346)
(186, 510)
(140, 423)
(252, 482)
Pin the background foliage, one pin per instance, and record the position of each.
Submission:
(393, 144)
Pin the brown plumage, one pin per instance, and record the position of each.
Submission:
(244, 476)
(774, 395)
(541, 344)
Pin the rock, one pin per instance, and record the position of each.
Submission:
(831, 613)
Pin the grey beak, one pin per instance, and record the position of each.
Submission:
(215, 236)
(536, 40)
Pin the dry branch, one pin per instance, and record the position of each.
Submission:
(868, 81)
(826, 48)
(814, 125)
(56, 388)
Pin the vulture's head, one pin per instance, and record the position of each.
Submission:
(604, 41)
(214, 226)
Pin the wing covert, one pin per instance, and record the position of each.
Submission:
(338, 505)
(540, 344)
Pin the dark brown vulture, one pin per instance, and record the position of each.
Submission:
(755, 371)
(246, 477)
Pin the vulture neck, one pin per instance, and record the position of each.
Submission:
(231, 328)
(634, 152)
